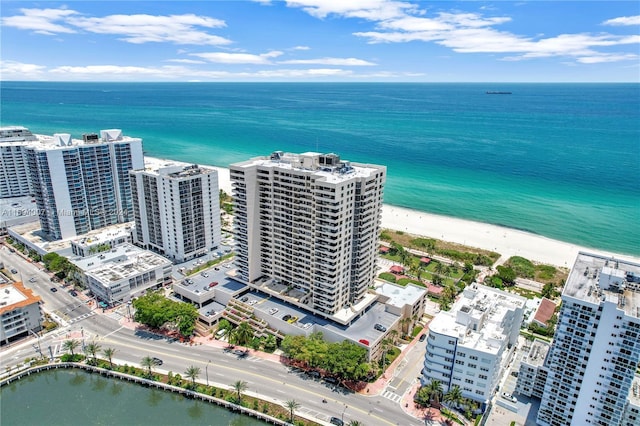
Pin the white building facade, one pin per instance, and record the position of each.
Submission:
(596, 347)
(20, 312)
(468, 346)
(81, 185)
(177, 210)
(14, 179)
(309, 224)
(123, 273)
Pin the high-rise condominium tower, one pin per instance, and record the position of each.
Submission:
(177, 210)
(14, 179)
(307, 227)
(596, 348)
(81, 185)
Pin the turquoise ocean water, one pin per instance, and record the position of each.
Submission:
(560, 160)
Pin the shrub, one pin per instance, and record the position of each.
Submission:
(522, 267)
(387, 276)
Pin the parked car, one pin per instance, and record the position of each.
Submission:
(509, 397)
(53, 289)
(364, 342)
(424, 336)
(73, 293)
(244, 299)
(213, 284)
(157, 361)
(380, 327)
(273, 311)
(14, 271)
(336, 421)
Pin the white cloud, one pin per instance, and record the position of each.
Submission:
(596, 59)
(238, 58)
(140, 28)
(41, 21)
(373, 10)
(20, 70)
(301, 48)
(351, 62)
(186, 61)
(178, 29)
(463, 32)
(623, 20)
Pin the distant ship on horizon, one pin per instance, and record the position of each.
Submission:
(491, 92)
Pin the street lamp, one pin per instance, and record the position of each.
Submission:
(345, 409)
(38, 336)
(206, 371)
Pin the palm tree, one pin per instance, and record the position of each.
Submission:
(192, 373)
(435, 389)
(292, 405)
(71, 345)
(355, 423)
(92, 349)
(454, 396)
(240, 386)
(148, 363)
(226, 326)
(244, 333)
(439, 268)
(109, 353)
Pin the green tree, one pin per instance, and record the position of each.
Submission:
(148, 363)
(355, 423)
(109, 353)
(192, 373)
(292, 405)
(435, 392)
(239, 386)
(549, 290)
(71, 345)
(155, 310)
(454, 396)
(92, 349)
(244, 333)
(225, 325)
(468, 267)
(270, 343)
(506, 274)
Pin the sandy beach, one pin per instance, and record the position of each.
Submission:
(506, 241)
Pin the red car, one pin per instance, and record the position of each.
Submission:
(364, 342)
(213, 284)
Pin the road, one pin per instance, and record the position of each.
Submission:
(269, 380)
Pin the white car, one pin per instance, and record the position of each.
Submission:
(509, 397)
(273, 311)
(253, 302)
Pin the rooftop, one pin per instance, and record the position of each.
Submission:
(485, 306)
(121, 262)
(18, 210)
(328, 167)
(16, 295)
(173, 169)
(60, 140)
(595, 279)
(545, 311)
(102, 235)
(537, 353)
(400, 296)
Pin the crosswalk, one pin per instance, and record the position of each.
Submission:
(81, 317)
(392, 396)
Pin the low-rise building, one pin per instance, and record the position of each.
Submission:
(103, 239)
(20, 312)
(407, 302)
(468, 346)
(122, 273)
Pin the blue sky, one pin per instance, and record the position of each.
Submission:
(321, 40)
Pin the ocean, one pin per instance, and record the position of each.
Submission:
(559, 160)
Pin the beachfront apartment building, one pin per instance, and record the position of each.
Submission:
(306, 230)
(20, 312)
(122, 273)
(469, 346)
(177, 210)
(81, 185)
(596, 347)
(14, 179)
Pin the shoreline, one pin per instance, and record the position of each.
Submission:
(506, 241)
